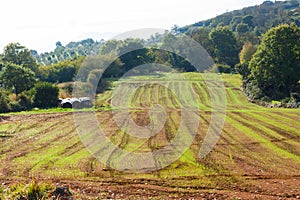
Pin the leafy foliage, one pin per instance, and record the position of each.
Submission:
(226, 46)
(201, 35)
(271, 72)
(30, 191)
(17, 78)
(221, 68)
(275, 68)
(19, 55)
(262, 17)
(63, 71)
(45, 95)
(4, 106)
(246, 54)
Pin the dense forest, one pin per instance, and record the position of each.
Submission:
(261, 43)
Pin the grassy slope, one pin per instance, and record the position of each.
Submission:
(255, 142)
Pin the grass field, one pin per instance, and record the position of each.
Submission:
(257, 156)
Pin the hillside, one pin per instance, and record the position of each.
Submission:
(261, 17)
(257, 156)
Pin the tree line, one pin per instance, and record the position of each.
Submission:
(270, 68)
(257, 19)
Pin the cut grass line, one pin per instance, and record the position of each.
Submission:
(269, 121)
(285, 120)
(259, 128)
(263, 141)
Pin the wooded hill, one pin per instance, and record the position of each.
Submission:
(260, 17)
(249, 23)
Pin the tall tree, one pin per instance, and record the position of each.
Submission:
(226, 46)
(245, 56)
(17, 78)
(132, 53)
(275, 67)
(20, 55)
(246, 53)
(201, 35)
(110, 46)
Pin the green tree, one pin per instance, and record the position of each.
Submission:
(110, 46)
(60, 73)
(275, 67)
(245, 56)
(201, 35)
(97, 82)
(100, 62)
(226, 46)
(242, 28)
(246, 53)
(20, 55)
(132, 53)
(17, 78)
(176, 49)
(4, 107)
(45, 95)
(248, 19)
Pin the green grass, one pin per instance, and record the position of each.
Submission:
(264, 142)
(32, 190)
(40, 111)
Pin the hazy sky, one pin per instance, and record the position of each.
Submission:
(39, 24)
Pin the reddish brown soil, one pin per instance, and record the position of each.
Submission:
(255, 184)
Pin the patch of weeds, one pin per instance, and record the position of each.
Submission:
(31, 191)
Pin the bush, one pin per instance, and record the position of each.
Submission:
(102, 86)
(221, 68)
(15, 106)
(45, 95)
(82, 89)
(25, 102)
(4, 106)
(68, 88)
(30, 191)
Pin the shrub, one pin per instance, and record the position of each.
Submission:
(25, 102)
(221, 68)
(45, 95)
(15, 106)
(102, 86)
(82, 89)
(30, 191)
(68, 88)
(4, 106)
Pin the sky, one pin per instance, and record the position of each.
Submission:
(39, 24)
